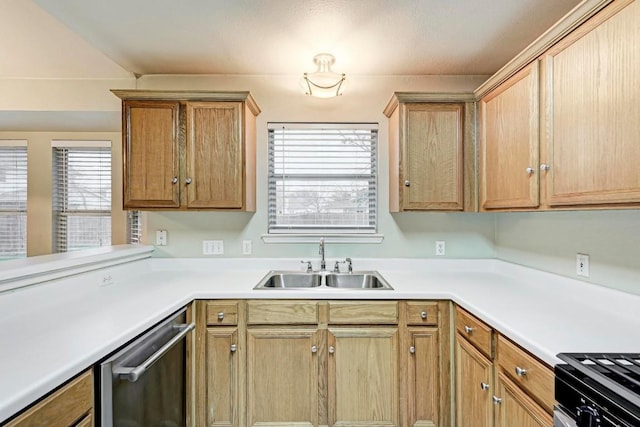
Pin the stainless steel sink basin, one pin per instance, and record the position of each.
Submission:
(323, 280)
(359, 280)
(288, 280)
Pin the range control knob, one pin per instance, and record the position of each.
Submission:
(588, 417)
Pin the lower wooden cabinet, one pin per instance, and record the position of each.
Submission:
(516, 390)
(284, 363)
(70, 405)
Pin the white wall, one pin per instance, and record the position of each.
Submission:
(405, 235)
(550, 240)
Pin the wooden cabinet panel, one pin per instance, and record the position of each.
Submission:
(222, 313)
(432, 162)
(363, 312)
(71, 404)
(476, 331)
(516, 408)
(363, 377)
(530, 374)
(282, 377)
(151, 162)
(593, 86)
(282, 312)
(474, 386)
(215, 170)
(509, 143)
(221, 372)
(422, 313)
(423, 377)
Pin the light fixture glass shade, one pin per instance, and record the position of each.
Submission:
(323, 83)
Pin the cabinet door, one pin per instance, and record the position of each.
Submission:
(282, 377)
(593, 86)
(423, 378)
(474, 386)
(215, 155)
(221, 399)
(509, 143)
(432, 163)
(150, 153)
(516, 408)
(363, 377)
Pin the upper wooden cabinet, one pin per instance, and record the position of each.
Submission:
(561, 133)
(509, 143)
(431, 152)
(189, 150)
(592, 86)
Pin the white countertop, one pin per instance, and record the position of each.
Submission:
(51, 331)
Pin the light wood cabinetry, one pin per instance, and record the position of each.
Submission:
(509, 143)
(592, 86)
(323, 363)
(219, 359)
(561, 133)
(516, 390)
(431, 152)
(70, 405)
(189, 150)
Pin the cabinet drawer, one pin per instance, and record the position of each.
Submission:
(222, 313)
(422, 313)
(370, 312)
(63, 407)
(526, 371)
(475, 331)
(282, 312)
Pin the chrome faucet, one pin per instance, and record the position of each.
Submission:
(323, 263)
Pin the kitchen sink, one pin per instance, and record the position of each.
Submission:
(323, 280)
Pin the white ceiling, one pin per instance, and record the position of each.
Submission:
(367, 37)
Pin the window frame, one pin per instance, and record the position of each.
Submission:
(306, 232)
(20, 211)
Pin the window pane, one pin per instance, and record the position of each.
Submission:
(322, 179)
(82, 197)
(13, 200)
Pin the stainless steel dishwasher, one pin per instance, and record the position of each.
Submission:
(143, 384)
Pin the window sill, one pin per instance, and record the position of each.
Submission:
(328, 238)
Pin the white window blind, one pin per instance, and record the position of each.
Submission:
(322, 178)
(134, 227)
(13, 199)
(81, 194)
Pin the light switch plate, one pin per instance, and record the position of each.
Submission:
(161, 237)
(212, 247)
(246, 247)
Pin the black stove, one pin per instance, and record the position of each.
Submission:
(598, 390)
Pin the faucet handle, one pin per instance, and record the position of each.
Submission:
(309, 265)
(350, 264)
(336, 267)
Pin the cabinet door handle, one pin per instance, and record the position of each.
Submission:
(484, 386)
(521, 372)
(496, 400)
(187, 181)
(407, 183)
(332, 349)
(530, 171)
(221, 315)
(544, 167)
(423, 314)
(174, 180)
(314, 349)
(468, 329)
(412, 349)
(233, 348)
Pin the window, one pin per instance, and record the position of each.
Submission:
(134, 227)
(81, 194)
(322, 178)
(13, 199)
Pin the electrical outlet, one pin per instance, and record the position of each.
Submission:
(161, 237)
(440, 248)
(212, 247)
(246, 247)
(582, 265)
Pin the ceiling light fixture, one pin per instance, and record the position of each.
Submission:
(323, 83)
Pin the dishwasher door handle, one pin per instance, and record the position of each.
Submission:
(132, 374)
